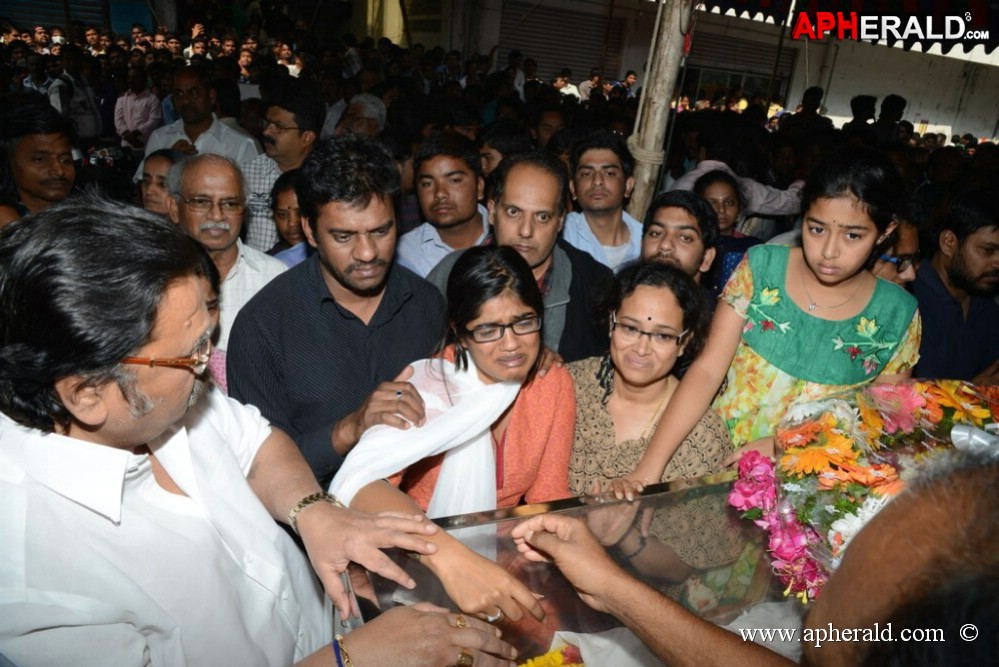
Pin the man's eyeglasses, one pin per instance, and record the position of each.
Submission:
(266, 123)
(902, 262)
(630, 334)
(198, 362)
(205, 204)
(487, 333)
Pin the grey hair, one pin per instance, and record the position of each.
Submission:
(373, 107)
(176, 174)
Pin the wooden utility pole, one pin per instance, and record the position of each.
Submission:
(674, 22)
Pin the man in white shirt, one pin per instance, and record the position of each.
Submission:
(198, 130)
(139, 510)
(208, 200)
(449, 185)
(601, 166)
(291, 128)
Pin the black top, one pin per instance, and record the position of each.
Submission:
(306, 362)
(585, 333)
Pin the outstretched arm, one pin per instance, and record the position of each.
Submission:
(672, 633)
(694, 395)
(333, 536)
(475, 584)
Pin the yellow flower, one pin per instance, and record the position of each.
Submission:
(867, 327)
(818, 458)
(967, 407)
(870, 421)
(769, 297)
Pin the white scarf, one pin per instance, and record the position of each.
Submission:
(460, 409)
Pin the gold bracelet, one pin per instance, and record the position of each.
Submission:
(322, 496)
(343, 652)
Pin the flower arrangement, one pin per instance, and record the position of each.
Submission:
(566, 656)
(840, 460)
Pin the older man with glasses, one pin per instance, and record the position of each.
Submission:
(208, 201)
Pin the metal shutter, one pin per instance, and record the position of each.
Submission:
(557, 38)
(725, 52)
(26, 15)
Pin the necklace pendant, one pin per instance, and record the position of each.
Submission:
(811, 306)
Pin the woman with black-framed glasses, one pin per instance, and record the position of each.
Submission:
(657, 315)
(497, 432)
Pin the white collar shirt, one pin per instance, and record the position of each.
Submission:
(99, 565)
(218, 139)
(421, 249)
(252, 270)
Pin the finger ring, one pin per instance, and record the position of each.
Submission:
(398, 394)
(460, 621)
(492, 618)
(465, 659)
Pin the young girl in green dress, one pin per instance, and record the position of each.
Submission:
(802, 323)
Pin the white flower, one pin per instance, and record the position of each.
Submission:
(849, 525)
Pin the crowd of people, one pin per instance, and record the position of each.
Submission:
(245, 280)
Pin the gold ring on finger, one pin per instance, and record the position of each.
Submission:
(465, 659)
(460, 621)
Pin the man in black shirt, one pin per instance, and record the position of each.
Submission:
(323, 350)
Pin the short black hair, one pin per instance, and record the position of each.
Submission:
(969, 212)
(80, 286)
(304, 103)
(692, 203)
(351, 170)
(507, 137)
(537, 159)
(603, 139)
(286, 181)
(449, 144)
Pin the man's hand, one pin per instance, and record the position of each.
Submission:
(184, 146)
(568, 543)
(988, 376)
(396, 403)
(549, 358)
(335, 536)
(424, 634)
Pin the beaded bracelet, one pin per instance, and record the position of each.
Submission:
(322, 496)
(342, 657)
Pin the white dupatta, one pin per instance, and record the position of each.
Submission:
(460, 409)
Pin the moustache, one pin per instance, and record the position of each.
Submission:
(376, 263)
(268, 141)
(213, 225)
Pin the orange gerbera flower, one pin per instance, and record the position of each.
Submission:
(798, 436)
(959, 396)
(870, 420)
(818, 458)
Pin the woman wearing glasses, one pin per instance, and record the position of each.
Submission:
(657, 314)
(496, 433)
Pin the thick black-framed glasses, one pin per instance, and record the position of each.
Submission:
(487, 333)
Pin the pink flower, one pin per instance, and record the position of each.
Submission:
(854, 351)
(755, 487)
(898, 404)
(767, 325)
